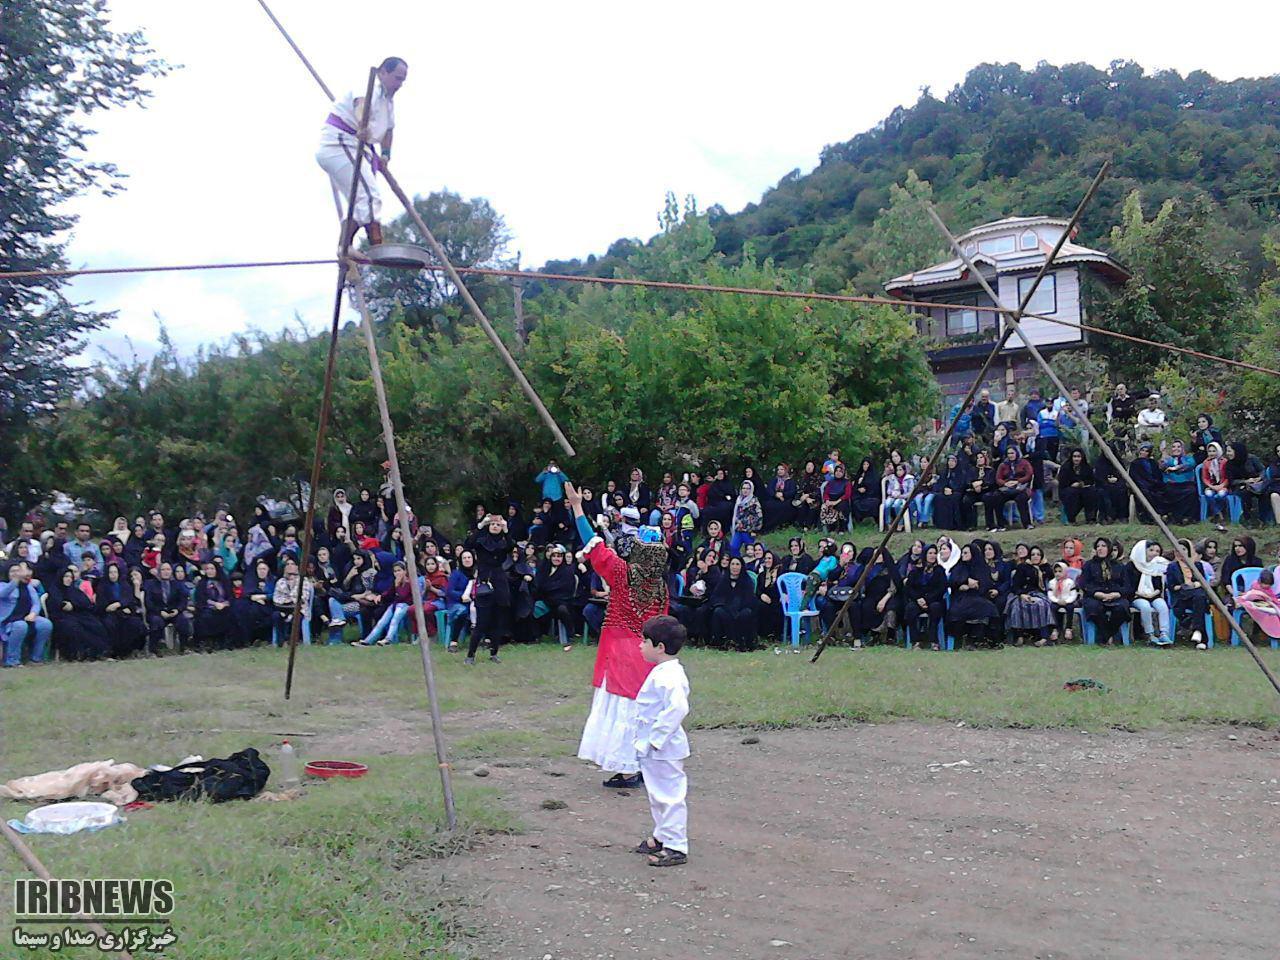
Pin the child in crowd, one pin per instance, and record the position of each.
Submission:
(1063, 597)
(661, 706)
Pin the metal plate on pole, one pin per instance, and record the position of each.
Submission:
(398, 255)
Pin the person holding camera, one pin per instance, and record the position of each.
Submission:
(490, 590)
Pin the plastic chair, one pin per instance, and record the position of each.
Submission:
(1173, 621)
(1089, 630)
(791, 593)
(1235, 506)
(1242, 580)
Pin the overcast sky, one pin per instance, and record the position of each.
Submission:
(573, 119)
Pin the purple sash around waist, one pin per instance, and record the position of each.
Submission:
(334, 120)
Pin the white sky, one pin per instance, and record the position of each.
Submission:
(572, 118)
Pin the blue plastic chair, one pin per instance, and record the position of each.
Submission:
(1173, 621)
(1089, 629)
(1242, 580)
(791, 593)
(1235, 506)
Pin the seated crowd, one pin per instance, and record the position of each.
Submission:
(209, 585)
(1009, 456)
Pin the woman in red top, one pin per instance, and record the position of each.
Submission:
(637, 591)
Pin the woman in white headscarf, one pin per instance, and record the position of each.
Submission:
(948, 553)
(1148, 599)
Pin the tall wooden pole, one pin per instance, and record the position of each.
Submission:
(928, 472)
(326, 393)
(406, 538)
(1012, 324)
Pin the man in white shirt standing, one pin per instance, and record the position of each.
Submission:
(339, 138)
(1151, 419)
(661, 743)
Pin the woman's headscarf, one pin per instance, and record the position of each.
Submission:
(1238, 466)
(1077, 559)
(741, 502)
(259, 544)
(954, 557)
(1156, 567)
(1215, 463)
(646, 575)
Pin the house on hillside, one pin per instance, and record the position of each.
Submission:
(1008, 253)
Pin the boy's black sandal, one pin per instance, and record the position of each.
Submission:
(668, 858)
(651, 851)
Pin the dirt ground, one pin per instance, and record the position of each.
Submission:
(857, 842)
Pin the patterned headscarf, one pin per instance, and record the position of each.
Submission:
(647, 575)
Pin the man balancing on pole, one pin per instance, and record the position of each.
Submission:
(339, 138)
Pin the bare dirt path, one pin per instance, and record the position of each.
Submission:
(847, 843)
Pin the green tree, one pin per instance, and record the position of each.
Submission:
(60, 62)
(903, 237)
(472, 233)
(1254, 397)
(1181, 291)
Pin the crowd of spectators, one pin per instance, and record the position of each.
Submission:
(1013, 455)
(205, 584)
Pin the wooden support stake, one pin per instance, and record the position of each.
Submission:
(35, 866)
(1012, 324)
(406, 538)
(326, 393)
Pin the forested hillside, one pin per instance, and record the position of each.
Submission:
(1011, 141)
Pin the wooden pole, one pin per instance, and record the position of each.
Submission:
(479, 314)
(35, 866)
(927, 473)
(1012, 323)
(326, 393)
(406, 538)
(453, 274)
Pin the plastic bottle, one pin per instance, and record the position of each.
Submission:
(288, 765)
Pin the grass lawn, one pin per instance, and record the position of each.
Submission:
(1048, 537)
(342, 872)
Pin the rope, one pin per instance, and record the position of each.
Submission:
(661, 285)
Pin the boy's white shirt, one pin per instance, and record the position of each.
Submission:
(661, 706)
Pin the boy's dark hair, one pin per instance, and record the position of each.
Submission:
(665, 632)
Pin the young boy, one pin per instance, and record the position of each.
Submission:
(661, 706)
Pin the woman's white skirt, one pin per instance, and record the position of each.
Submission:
(609, 738)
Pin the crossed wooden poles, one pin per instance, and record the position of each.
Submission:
(1011, 326)
(349, 276)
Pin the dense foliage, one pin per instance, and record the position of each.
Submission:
(674, 380)
(635, 376)
(1010, 141)
(59, 63)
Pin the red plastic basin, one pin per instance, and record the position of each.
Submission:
(336, 768)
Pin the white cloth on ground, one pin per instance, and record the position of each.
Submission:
(668, 787)
(110, 780)
(608, 739)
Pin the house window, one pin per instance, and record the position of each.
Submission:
(1029, 240)
(961, 321)
(1046, 296)
(996, 245)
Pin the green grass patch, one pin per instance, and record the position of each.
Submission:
(338, 873)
